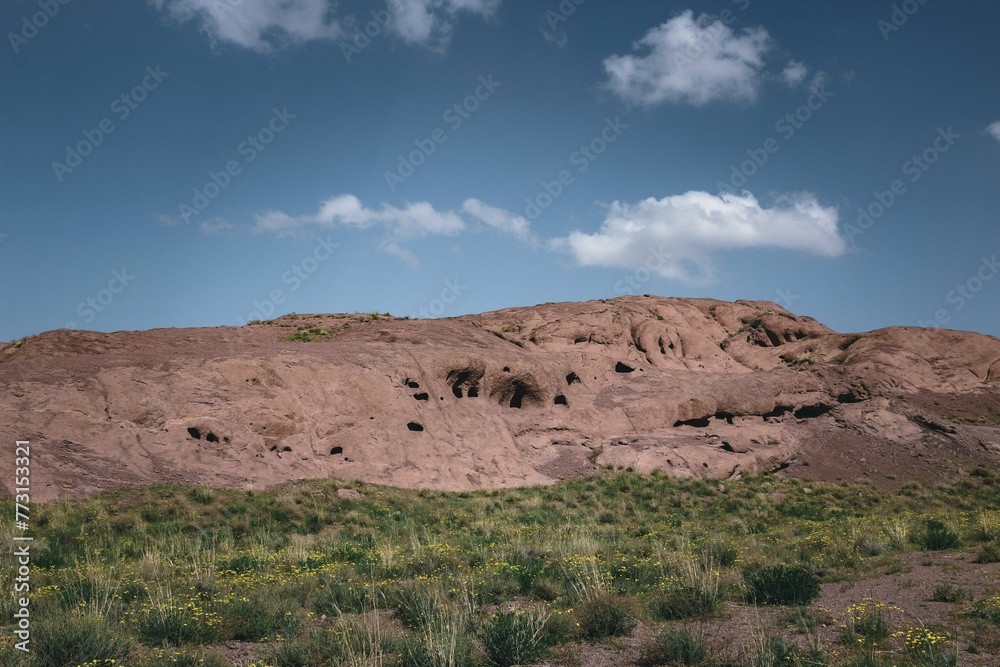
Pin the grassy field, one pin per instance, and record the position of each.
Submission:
(651, 569)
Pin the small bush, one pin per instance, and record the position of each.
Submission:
(680, 602)
(781, 584)
(514, 638)
(674, 648)
(560, 627)
(72, 639)
(806, 620)
(937, 537)
(696, 592)
(989, 553)
(175, 621)
(721, 553)
(767, 651)
(605, 615)
(948, 593)
(255, 619)
(867, 622)
(202, 495)
(926, 648)
(310, 335)
(988, 609)
(320, 648)
(336, 596)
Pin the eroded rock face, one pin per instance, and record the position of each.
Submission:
(520, 396)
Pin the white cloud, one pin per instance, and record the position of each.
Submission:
(261, 25)
(168, 221)
(497, 218)
(431, 22)
(216, 226)
(412, 221)
(690, 61)
(993, 129)
(794, 73)
(415, 220)
(677, 236)
(265, 25)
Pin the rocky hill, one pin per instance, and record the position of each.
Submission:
(519, 396)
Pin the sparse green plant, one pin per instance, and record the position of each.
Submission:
(868, 622)
(927, 648)
(766, 650)
(674, 647)
(516, 637)
(74, 639)
(989, 553)
(697, 591)
(806, 619)
(948, 592)
(937, 536)
(781, 584)
(988, 609)
(605, 615)
(309, 335)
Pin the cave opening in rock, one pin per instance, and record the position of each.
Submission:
(336, 451)
(414, 426)
(778, 411)
(518, 397)
(728, 416)
(194, 433)
(412, 385)
(560, 400)
(701, 422)
(422, 396)
(812, 411)
(211, 437)
(623, 368)
(572, 377)
(473, 392)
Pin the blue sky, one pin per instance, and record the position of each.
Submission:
(205, 162)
